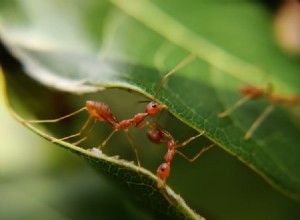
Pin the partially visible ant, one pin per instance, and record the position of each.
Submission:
(158, 135)
(250, 93)
(100, 111)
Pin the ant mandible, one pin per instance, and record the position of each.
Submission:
(158, 135)
(100, 111)
(252, 92)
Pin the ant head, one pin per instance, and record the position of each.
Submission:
(153, 108)
(163, 171)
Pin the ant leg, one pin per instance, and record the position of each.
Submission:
(150, 124)
(80, 132)
(130, 139)
(235, 106)
(55, 120)
(189, 140)
(87, 134)
(143, 124)
(258, 121)
(107, 139)
(204, 149)
(183, 63)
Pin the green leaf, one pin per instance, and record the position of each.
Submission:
(129, 43)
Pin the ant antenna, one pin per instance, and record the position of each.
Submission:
(143, 101)
(183, 63)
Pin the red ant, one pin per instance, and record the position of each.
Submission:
(100, 111)
(159, 135)
(251, 92)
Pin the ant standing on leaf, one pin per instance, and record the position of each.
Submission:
(251, 93)
(99, 111)
(158, 135)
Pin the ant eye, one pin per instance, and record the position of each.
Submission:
(154, 106)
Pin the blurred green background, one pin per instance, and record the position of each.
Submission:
(39, 180)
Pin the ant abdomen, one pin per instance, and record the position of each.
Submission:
(100, 111)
